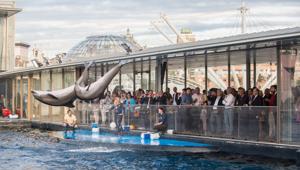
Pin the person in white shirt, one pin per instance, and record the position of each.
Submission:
(228, 101)
(176, 97)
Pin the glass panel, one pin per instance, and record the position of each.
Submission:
(25, 96)
(266, 68)
(246, 123)
(114, 84)
(196, 71)
(176, 73)
(93, 74)
(57, 84)
(290, 92)
(217, 70)
(35, 105)
(99, 70)
(127, 77)
(18, 96)
(152, 76)
(5, 95)
(238, 69)
(69, 76)
(45, 85)
(138, 74)
(145, 80)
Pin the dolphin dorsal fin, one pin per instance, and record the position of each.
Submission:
(51, 95)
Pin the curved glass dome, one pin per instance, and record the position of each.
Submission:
(102, 46)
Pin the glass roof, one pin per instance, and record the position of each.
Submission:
(102, 46)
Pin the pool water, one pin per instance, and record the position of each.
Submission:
(24, 151)
(87, 135)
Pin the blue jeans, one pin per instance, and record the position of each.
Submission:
(228, 121)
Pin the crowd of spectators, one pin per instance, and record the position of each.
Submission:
(216, 108)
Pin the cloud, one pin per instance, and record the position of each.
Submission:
(57, 25)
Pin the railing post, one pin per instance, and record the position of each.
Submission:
(150, 118)
(239, 112)
(175, 118)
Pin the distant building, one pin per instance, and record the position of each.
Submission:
(38, 57)
(7, 34)
(187, 35)
(57, 59)
(21, 55)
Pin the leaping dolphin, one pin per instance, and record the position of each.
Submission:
(96, 89)
(63, 97)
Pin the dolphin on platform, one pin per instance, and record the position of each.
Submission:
(63, 97)
(96, 89)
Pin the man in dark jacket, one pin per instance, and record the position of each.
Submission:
(176, 97)
(161, 99)
(242, 98)
(272, 112)
(257, 116)
(243, 112)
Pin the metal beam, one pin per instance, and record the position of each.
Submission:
(161, 32)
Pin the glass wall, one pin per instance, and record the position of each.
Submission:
(5, 95)
(69, 77)
(35, 104)
(24, 96)
(145, 74)
(45, 85)
(266, 67)
(18, 96)
(238, 69)
(57, 84)
(290, 91)
(115, 83)
(127, 77)
(176, 73)
(152, 73)
(138, 73)
(92, 73)
(217, 70)
(195, 71)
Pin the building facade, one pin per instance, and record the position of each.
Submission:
(21, 55)
(7, 34)
(249, 60)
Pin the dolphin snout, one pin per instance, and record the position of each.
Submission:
(34, 93)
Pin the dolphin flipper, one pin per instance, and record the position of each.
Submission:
(89, 64)
(70, 104)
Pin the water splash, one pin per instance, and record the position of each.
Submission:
(99, 150)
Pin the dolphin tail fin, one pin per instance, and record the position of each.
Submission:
(88, 64)
(123, 62)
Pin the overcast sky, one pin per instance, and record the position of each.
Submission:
(57, 25)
